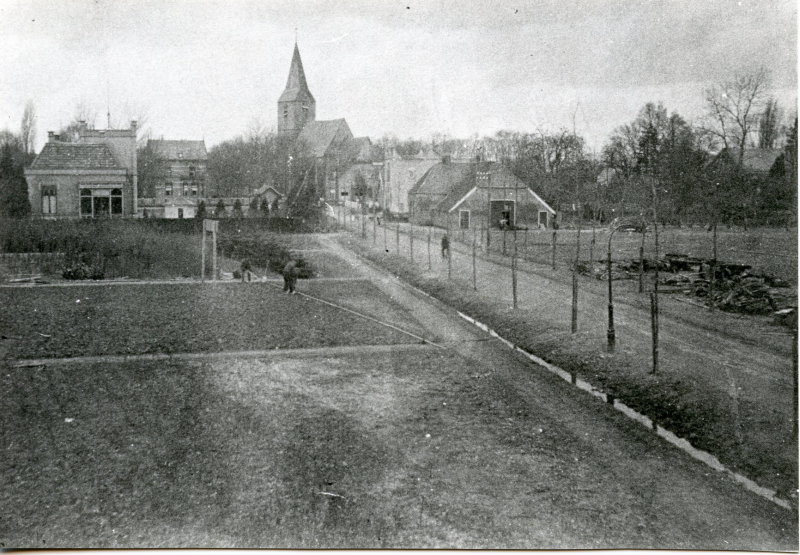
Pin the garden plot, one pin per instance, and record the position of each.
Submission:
(131, 319)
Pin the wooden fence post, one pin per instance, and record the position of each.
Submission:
(397, 237)
(654, 323)
(474, 266)
(554, 250)
(411, 239)
(203, 255)
(429, 249)
(514, 272)
(449, 252)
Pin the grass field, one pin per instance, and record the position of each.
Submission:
(772, 250)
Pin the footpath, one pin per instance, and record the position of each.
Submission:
(724, 381)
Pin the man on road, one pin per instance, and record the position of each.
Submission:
(445, 247)
(290, 276)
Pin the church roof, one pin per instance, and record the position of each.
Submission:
(360, 149)
(173, 150)
(75, 156)
(296, 86)
(318, 136)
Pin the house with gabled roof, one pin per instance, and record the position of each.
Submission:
(472, 195)
(94, 176)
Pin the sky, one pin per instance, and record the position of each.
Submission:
(214, 69)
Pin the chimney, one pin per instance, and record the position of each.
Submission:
(133, 126)
(51, 136)
(446, 159)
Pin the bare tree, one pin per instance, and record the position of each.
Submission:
(769, 124)
(734, 108)
(28, 128)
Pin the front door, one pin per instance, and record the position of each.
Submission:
(102, 207)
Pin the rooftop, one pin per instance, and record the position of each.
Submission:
(75, 156)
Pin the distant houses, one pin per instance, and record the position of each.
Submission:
(92, 176)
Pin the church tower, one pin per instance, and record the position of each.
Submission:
(296, 106)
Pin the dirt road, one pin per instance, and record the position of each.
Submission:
(742, 367)
(605, 474)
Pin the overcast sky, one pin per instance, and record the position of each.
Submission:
(212, 69)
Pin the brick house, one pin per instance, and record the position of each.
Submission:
(91, 177)
(176, 181)
(467, 195)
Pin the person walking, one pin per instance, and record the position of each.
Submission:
(445, 246)
(290, 276)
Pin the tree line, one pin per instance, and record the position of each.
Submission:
(698, 171)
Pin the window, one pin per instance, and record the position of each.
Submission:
(194, 188)
(101, 203)
(191, 172)
(86, 203)
(116, 202)
(185, 187)
(168, 189)
(49, 200)
(463, 219)
(286, 114)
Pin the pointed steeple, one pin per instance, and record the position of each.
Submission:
(296, 106)
(296, 85)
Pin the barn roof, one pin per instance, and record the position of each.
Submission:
(441, 178)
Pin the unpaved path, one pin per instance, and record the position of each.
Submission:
(744, 363)
(606, 472)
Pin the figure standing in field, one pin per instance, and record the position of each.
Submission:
(445, 246)
(290, 276)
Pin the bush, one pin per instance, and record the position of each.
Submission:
(97, 249)
(81, 270)
(257, 252)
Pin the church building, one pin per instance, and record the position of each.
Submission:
(330, 142)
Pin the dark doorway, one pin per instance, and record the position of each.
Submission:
(502, 211)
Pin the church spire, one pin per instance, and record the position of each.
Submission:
(297, 77)
(296, 106)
